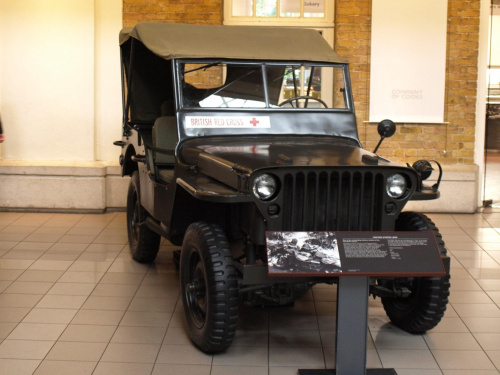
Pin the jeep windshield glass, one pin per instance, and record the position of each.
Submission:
(256, 85)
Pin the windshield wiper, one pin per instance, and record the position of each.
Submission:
(203, 67)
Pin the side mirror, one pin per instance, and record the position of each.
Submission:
(386, 129)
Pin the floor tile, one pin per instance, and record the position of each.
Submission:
(466, 296)
(77, 351)
(98, 317)
(15, 264)
(451, 341)
(241, 370)
(110, 368)
(180, 336)
(29, 287)
(394, 358)
(38, 237)
(68, 247)
(242, 337)
(13, 314)
(115, 290)
(53, 301)
(72, 289)
(135, 353)
(50, 316)
(153, 304)
(23, 255)
(482, 325)
(6, 245)
(25, 349)
(89, 266)
(451, 325)
(6, 329)
(19, 300)
(242, 356)
(467, 310)
(81, 239)
(10, 275)
(398, 340)
(183, 355)
(106, 303)
(81, 277)
(494, 356)
(139, 335)
(36, 331)
(309, 357)
(49, 367)
(88, 333)
(122, 278)
(146, 319)
(42, 246)
(287, 338)
(18, 366)
(462, 360)
(488, 341)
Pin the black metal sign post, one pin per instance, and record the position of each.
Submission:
(352, 327)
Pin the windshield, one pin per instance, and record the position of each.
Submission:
(256, 85)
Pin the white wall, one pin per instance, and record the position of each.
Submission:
(60, 102)
(108, 117)
(60, 80)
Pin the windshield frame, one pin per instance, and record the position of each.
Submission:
(179, 63)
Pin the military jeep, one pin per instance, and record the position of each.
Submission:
(232, 131)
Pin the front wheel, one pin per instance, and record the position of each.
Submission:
(144, 243)
(209, 287)
(424, 308)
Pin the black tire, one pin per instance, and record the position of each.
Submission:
(425, 307)
(144, 243)
(209, 287)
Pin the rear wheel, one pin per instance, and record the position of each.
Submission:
(209, 287)
(144, 243)
(424, 308)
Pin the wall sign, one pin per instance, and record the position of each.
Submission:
(408, 60)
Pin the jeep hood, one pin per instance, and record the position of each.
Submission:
(213, 156)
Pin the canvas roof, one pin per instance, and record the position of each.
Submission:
(173, 41)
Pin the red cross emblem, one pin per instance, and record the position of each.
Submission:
(254, 121)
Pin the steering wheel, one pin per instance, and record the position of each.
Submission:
(302, 97)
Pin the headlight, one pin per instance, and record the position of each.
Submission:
(395, 186)
(264, 186)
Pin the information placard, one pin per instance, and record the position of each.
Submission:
(353, 253)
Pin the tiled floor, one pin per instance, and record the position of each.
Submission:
(73, 302)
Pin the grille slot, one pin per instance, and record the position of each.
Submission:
(346, 200)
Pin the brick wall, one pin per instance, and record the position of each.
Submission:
(207, 12)
(414, 141)
(352, 41)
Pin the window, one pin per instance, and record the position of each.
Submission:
(314, 12)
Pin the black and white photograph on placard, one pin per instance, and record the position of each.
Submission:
(303, 252)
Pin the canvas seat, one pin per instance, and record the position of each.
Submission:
(164, 138)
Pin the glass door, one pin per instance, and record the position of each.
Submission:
(492, 141)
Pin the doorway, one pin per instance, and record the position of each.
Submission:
(491, 192)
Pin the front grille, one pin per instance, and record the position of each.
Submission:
(341, 200)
